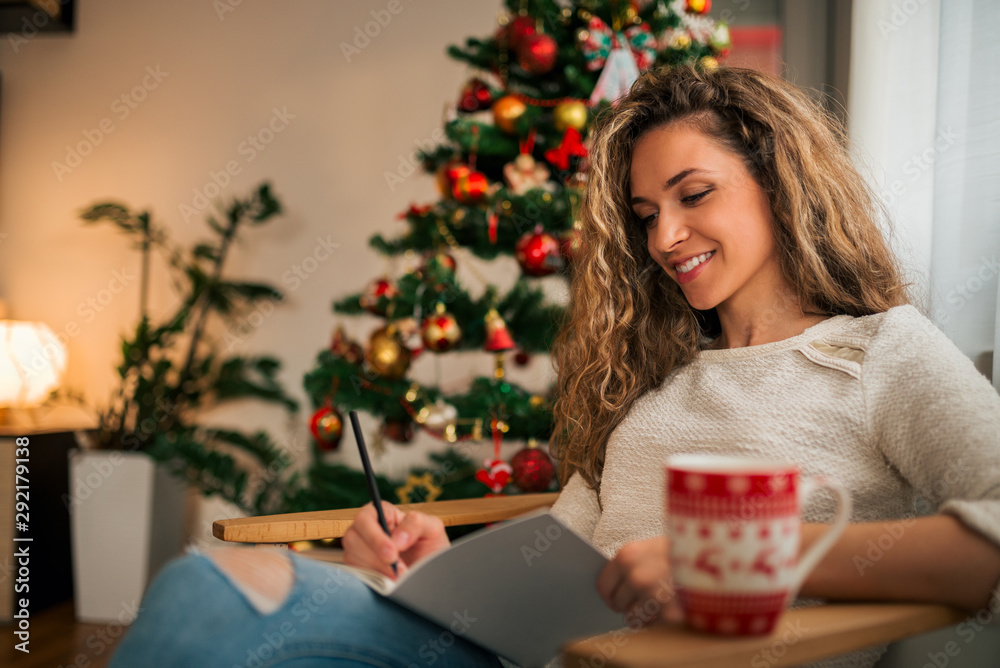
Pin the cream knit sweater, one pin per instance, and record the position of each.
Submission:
(884, 403)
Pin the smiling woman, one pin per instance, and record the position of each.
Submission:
(735, 297)
(731, 161)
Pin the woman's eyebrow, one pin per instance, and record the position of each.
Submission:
(672, 181)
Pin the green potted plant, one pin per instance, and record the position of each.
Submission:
(127, 492)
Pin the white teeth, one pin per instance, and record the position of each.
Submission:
(693, 262)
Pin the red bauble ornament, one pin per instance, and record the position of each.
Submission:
(327, 426)
(538, 253)
(440, 331)
(448, 174)
(400, 431)
(518, 30)
(475, 96)
(537, 54)
(522, 358)
(533, 470)
(470, 188)
(378, 288)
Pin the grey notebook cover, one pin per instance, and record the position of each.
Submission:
(524, 588)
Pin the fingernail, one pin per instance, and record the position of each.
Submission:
(402, 538)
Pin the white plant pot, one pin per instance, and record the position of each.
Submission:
(128, 518)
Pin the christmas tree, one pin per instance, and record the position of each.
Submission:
(510, 174)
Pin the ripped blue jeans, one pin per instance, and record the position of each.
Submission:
(195, 614)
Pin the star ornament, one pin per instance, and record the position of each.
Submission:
(423, 482)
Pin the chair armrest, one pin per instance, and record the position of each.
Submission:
(803, 635)
(319, 524)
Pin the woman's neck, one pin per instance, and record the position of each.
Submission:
(782, 319)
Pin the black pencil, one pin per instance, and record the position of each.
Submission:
(370, 477)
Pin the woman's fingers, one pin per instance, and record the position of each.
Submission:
(371, 535)
(613, 586)
(673, 612)
(359, 553)
(608, 581)
(420, 531)
(637, 581)
(631, 586)
(413, 537)
(657, 603)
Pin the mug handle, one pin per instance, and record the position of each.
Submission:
(811, 558)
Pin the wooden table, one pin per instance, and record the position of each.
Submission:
(802, 636)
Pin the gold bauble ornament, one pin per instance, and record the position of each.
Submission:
(507, 111)
(680, 40)
(386, 354)
(570, 115)
(708, 63)
(440, 331)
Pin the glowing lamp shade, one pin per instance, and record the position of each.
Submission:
(32, 362)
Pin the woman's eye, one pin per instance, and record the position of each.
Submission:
(697, 197)
(645, 221)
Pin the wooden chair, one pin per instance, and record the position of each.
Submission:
(804, 635)
(321, 524)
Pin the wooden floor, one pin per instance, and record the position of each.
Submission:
(59, 641)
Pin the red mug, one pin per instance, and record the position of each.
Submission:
(734, 529)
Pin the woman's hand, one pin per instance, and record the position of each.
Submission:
(637, 582)
(413, 536)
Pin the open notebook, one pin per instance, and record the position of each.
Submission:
(520, 589)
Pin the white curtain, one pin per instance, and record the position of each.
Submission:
(924, 110)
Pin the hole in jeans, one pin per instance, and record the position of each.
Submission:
(264, 576)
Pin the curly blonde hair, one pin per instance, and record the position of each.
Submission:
(629, 324)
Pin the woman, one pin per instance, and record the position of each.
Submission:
(734, 296)
(737, 298)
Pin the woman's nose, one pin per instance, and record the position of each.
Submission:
(667, 235)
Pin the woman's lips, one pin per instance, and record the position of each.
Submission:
(689, 276)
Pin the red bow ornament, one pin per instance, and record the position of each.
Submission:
(571, 146)
(601, 41)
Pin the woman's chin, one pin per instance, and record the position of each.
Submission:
(700, 302)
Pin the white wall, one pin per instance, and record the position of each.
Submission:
(222, 78)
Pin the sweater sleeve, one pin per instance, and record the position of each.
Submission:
(578, 507)
(936, 420)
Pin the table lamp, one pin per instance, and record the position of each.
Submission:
(32, 362)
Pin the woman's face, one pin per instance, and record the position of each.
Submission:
(707, 220)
